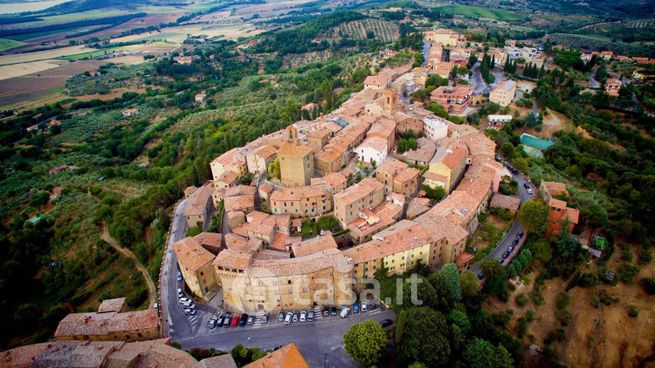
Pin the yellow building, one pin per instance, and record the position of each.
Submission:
(296, 164)
(196, 266)
(367, 194)
(260, 280)
(446, 167)
(504, 93)
(398, 248)
(300, 202)
(445, 37)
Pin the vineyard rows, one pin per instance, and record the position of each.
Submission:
(383, 30)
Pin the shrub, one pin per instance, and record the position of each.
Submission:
(536, 297)
(521, 300)
(648, 284)
(633, 312)
(555, 336)
(627, 273)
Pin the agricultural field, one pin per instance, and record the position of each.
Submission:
(19, 7)
(26, 90)
(43, 55)
(67, 18)
(6, 44)
(359, 29)
(20, 69)
(479, 12)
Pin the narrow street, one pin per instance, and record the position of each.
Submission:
(174, 322)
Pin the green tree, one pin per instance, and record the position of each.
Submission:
(521, 164)
(533, 215)
(274, 169)
(446, 281)
(479, 353)
(423, 337)
(469, 284)
(365, 342)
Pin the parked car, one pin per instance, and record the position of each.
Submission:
(303, 316)
(526, 185)
(386, 323)
(529, 190)
(326, 313)
(363, 307)
(310, 315)
(520, 234)
(287, 318)
(243, 320)
(180, 294)
(266, 318)
(295, 318)
(220, 321)
(355, 308)
(251, 320)
(235, 321)
(179, 276)
(333, 311)
(189, 311)
(344, 312)
(280, 317)
(189, 304)
(212, 322)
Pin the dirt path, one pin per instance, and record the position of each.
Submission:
(152, 290)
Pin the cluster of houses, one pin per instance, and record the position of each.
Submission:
(342, 165)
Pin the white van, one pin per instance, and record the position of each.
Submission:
(287, 318)
(344, 312)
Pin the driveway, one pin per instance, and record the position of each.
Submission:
(320, 342)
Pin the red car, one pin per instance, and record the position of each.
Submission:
(235, 320)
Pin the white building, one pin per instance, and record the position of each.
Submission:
(372, 149)
(498, 121)
(435, 128)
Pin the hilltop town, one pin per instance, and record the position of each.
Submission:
(333, 184)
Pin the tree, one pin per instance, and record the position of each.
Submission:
(446, 281)
(423, 337)
(469, 284)
(521, 164)
(365, 342)
(481, 353)
(533, 215)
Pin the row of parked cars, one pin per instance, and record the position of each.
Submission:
(515, 242)
(187, 304)
(228, 320)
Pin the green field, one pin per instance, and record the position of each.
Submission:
(6, 44)
(478, 12)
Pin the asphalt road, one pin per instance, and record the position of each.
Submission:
(174, 322)
(427, 45)
(320, 342)
(515, 229)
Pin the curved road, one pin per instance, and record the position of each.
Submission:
(152, 290)
(508, 239)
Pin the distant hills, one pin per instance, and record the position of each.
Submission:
(609, 8)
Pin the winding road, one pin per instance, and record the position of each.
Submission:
(516, 228)
(152, 289)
